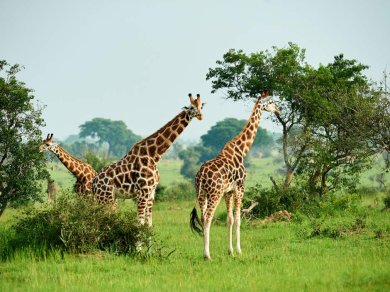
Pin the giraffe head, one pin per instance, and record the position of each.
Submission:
(195, 109)
(47, 144)
(268, 104)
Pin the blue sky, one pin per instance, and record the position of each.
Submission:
(136, 61)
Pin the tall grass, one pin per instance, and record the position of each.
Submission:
(275, 257)
(334, 251)
(75, 225)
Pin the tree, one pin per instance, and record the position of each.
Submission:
(115, 133)
(190, 157)
(95, 161)
(81, 148)
(243, 76)
(22, 167)
(380, 123)
(213, 141)
(341, 133)
(223, 131)
(325, 112)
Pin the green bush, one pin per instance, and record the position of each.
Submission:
(297, 199)
(78, 225)
(95, 161)
(178, 191)
(271, 200)
(332, 228)
(386, 201)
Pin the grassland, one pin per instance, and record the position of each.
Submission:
(276, 256)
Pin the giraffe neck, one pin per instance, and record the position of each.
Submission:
(242, 143)
(74, 165)
(158, 143)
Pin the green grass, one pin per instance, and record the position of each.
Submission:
(274, 258)
(261, 170)
(170, 171)
(61, 176)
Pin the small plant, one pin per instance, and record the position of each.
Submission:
(331, 229)
(271, 200)
(178, 191)
(95, 161)
(386, 201)
(379, 234)
(79, 225)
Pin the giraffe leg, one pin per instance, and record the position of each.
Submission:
(203, 207)
(142, 213)
(211, 207)
(149, 210)
(230, 220)
(237, 215)
(142, 202)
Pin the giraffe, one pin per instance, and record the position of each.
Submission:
(224, 176)
(136, 174)
(83, 172)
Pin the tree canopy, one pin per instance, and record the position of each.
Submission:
(223, 131)
(327, 112)
(22, 167)
(115, 133)
(213, 141)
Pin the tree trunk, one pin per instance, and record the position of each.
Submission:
(313, 180)
(288, 178)
(323, 182)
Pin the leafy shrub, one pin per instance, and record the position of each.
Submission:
(386, 201)
(79, 225)
(332, 228)
(332, 204)
(95, 161)
(178, 191)
(367, 191)
(297, 199)
(271, 200)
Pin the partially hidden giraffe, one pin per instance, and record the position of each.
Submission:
(83, 172)
(224, 176)
(136, 174)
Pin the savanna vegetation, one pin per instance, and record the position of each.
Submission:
(328, 169)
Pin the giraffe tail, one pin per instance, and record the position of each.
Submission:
(195, 224)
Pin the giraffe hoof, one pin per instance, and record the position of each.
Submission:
(207, 258)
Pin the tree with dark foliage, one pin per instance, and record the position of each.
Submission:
(22, 167)
(327, 116)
